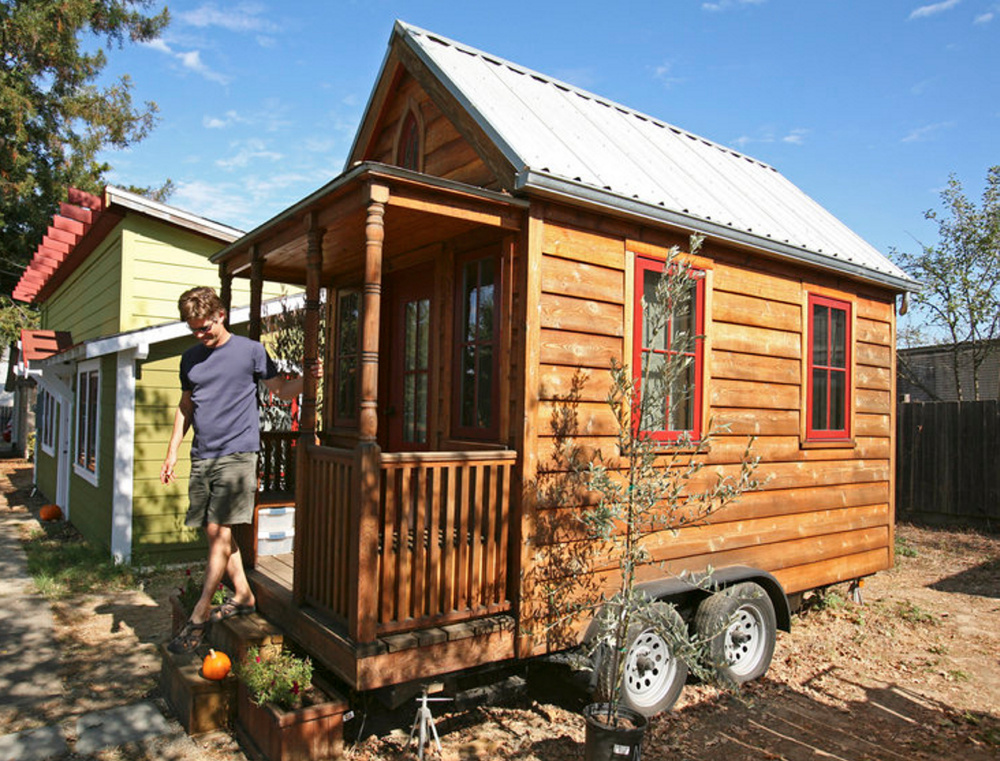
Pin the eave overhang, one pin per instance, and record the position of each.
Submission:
(547, 186)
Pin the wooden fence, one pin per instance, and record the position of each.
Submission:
(948, 463)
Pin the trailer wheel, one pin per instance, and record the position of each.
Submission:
(740, 627)
(653, 677)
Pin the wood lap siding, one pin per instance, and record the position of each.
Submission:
(445, 152)
(825, 514)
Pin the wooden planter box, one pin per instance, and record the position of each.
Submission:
(201, 705)
(313, 733)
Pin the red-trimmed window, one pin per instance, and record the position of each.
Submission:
(678, 410)
(477, 334)
(829, 369)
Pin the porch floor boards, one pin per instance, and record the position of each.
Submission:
(391, 659)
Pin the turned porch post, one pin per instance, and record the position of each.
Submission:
(305, 497)
(314, 274)
(363, 616)
(256, 291)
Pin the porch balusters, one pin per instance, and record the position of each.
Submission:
(311, 504)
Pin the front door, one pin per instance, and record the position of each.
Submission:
(408, 374)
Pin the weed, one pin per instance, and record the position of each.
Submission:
(914, 614)
(824, 599)
(904, 548)
(957, 675)
(938, 650)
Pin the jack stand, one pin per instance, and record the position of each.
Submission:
(423, 724)
(855, 590)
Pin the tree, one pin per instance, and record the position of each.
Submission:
(54, 119)
(960, 275)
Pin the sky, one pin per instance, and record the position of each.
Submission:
(866, 105)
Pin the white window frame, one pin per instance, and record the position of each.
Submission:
(84, 423)
(49, 407)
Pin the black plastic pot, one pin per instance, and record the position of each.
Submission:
(608, 743)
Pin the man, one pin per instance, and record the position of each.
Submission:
(219, 400)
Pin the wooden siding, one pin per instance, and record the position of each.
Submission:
(45, 472)
(825, 513)
(89, 303)
(157, 510)
(160, 262)
(444, 152)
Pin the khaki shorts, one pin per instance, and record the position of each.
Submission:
(222, 490)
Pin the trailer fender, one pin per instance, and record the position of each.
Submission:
(686, 593)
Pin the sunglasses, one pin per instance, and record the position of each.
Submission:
(207, 328)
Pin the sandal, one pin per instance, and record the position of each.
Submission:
(229, 609)
(189, 637)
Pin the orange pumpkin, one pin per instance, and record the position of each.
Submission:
(50, 513)
(216, 665)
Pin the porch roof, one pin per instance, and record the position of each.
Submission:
(340, 208)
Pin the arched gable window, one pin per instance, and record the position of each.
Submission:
(409, 143)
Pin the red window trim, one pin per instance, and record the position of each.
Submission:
(492, 433)
(829, 434)
(645, 264)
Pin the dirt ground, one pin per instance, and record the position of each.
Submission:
(913, 673)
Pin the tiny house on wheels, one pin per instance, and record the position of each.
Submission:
(491, 237)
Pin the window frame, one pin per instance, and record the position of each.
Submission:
(459, 431)
(410, 135)
(813, 434)
(87, 425)
(348, 421)
(645, 263)
(48, 405)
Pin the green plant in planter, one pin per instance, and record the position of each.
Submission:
(652, 487)
(189, 592)
(280, 678)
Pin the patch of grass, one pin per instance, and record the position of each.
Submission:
(63, 564)
(991, 736)
(914, 614)
(957, 675)
(825, 599)
(904, 548)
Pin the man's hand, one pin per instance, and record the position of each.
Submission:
(167, 471)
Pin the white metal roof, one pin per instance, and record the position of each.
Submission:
(566, 142)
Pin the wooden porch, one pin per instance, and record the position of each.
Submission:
(407, 530)
(405, 586)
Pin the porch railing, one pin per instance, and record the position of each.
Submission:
(431, 544)
(444, 521)
(323, 531)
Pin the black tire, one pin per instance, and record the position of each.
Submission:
(740, 628)
(653, 677)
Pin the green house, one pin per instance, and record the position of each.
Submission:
(109, 273)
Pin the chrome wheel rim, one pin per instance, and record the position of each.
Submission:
(745, 640)
(650, 669)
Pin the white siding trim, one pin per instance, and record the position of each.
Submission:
(124, 457)
(92, 477)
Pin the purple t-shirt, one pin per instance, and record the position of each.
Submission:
(223, 386)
